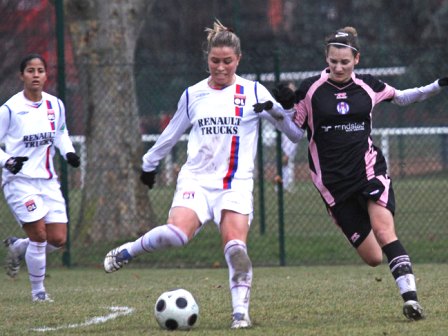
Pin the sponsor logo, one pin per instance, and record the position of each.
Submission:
(341, 95)
(39, 139)
(23, 112)
(219, 125)
(350, 127)
(355, 237)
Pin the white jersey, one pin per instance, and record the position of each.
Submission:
(224, 130)
(33, 129)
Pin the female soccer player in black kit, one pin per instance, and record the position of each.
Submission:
(350, 173)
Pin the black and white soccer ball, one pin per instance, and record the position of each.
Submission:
(176, 309)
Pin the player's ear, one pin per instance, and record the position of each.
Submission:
(239, 59)
(358, 55)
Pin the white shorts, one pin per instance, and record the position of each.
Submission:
(33, 199)
(209, 203)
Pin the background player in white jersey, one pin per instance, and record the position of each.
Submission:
(216, 182)
(350, 172)
(32, 124)
(289, 150)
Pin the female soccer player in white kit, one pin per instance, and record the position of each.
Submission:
(32, 124)
(216, 182)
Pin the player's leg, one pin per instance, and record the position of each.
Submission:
(353, 219)
(36, 258)
(183, 223)
(188, 210)
(234, 229)
(399, 261)
(15, 254)
(17, 247)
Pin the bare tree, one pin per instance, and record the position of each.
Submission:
(104, 35)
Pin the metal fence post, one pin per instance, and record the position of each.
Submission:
(59, 13)
(279, 182)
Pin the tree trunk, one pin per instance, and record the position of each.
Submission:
(104, 35)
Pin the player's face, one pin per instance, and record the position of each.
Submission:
(34, 76)
(222, 64)
(341, 62)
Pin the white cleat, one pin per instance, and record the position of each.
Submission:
(413, 311)
(240, 321)
(41, 297)
(116, 259)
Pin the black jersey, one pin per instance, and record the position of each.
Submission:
(338, 120)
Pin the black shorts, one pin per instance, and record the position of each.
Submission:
(352, 216)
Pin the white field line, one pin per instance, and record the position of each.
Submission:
(117, 311)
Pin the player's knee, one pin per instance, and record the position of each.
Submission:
(373, 260)
(57, 241)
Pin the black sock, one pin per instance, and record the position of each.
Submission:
(400, 265)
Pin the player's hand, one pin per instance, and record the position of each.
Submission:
(285, 96)
(443, 81)
(148, 178)
(14, 164)
(260, 107)
(73, 159)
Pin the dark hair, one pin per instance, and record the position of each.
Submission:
(221, 36)
(28, 58)
(346, 37)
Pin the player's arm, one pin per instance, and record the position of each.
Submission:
(279, 111)
(167, 140)
(63, 141)
(418, 94)
(4, 125)
(12, 163)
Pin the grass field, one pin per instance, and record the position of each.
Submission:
(307, 300)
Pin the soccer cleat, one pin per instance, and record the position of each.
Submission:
(413, 311)
(41, 297)
(116, 259)
(13, 258)
(240, 321)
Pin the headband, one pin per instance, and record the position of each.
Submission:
(342, 45)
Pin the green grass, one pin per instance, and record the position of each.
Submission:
(307, 300)
(310, 237)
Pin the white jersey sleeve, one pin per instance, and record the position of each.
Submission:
(170, 136)
(409, 96)
(5, 116)
(282, 119)
(62, 139)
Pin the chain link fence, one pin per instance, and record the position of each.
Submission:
(291, 225)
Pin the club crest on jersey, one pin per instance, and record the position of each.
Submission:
(50, 114)
(188, 195)
(30, 205)
(342, 108)
(239, 99)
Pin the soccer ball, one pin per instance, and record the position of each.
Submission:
(176, 309)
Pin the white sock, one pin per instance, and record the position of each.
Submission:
(240, 275)
(35, 257)
(21, 244)
(159, 238)
(51, 248)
